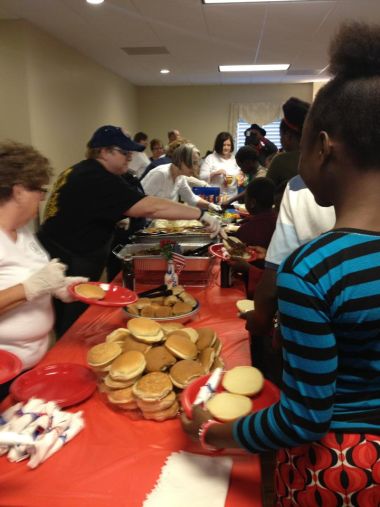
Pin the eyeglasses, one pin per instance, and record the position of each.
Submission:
(123, 152)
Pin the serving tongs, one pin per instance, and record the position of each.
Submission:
(161, 290)
(198, 252)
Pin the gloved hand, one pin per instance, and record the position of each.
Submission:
(63, 293)
(212, 223)
(45, 281)
(215, 208)
(124, 224)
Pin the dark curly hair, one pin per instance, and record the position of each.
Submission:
(21, 164)
(348, 106)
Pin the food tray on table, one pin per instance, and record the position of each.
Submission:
(150, 267)
(175, 230)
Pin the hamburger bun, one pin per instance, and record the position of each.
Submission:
(123, 398)
(132, 309)
(206, 358)
(142, 302)
(163, 415)
(181, 346)
(147, 311)
(118, 335)
(170, 300)
(103, 354)
(184, 372)
(146, 330)
(177, 290)
(131, 343)
(245, 380)
(159, 359)
(87, 290)
(181, 308)
(163, 311)
(206, 338)
(227, 407)
(117, 384)
(153, 386)
(128, 365)
(217, 346)
(168, 327)
(157, 405)
(188, 299)
(245, 305)
(192, 333)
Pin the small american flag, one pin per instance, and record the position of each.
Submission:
(179, 262)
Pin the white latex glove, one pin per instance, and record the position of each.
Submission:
(124, 224)
(214, 207)
(212, 223)
(45, 281)
(63, 293)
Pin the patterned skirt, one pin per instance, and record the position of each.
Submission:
(341, 470)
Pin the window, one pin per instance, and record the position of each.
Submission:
(273, 132)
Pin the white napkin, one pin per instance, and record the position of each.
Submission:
(191, 480)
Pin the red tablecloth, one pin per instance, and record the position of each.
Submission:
(116, 461)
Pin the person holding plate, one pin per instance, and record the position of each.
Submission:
(326, 425)
(28, 278)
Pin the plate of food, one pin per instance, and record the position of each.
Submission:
(232, 249)
(102, 294)
(241, 381)
(180, 307)
(10, 366)
(65, 383)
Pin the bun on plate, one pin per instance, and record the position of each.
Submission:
(159, 359)
(236, 248)
(162, 415)
(227, 407)
(206, 337)
(89, 291)
(245, 380)
(123, 398)
(157, 405)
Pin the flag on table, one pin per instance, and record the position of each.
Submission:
(179, 262)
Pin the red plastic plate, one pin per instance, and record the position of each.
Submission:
(65, 383)
(116, 295)
(267, 396)
(10, 366)
(218, 250)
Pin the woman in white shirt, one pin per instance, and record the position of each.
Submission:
(219, 168)
(170, 180)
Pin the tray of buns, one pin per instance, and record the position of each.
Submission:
(143, 368)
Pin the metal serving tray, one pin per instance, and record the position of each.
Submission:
(150, 269)
(188, 237)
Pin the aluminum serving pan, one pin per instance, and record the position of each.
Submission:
(176, 318)
(188, 237)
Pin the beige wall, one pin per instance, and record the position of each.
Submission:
(54, 97)
(200, 112)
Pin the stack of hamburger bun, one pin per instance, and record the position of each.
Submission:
(177, 304)
(144, 366)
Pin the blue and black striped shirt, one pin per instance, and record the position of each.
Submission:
(329, 304)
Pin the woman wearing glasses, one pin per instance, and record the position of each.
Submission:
(28, 278)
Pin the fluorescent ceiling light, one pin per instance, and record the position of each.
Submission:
(253, 68)
(95, 2)
(164, 71)
(248, 1)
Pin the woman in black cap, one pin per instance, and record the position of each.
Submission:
(285, 165)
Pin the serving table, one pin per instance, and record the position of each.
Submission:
(115, 460)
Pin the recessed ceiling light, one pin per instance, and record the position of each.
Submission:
(249, 1)
(95, 2)
(164, 71)
(253, 68)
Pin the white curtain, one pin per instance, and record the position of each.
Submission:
(261, 113)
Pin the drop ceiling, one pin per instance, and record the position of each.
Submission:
(193, 39)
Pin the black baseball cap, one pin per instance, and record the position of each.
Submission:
(108, 135)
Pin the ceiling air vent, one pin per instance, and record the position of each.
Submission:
(146, 50)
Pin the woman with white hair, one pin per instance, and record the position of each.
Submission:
(170, 180)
